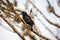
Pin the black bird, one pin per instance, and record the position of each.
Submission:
(27, 19)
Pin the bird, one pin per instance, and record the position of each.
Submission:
(27, 19)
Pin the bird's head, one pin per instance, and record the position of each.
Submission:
(23, 13)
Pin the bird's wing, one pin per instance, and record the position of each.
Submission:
(27, 19)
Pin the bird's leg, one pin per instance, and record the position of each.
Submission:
(31, 28)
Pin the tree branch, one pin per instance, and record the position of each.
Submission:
(12, 26)
(55, 24)
(51, 9)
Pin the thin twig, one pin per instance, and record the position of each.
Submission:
(15, 3)
(47, 19)
(55, 24)
(12, 26)
(48, 29)
(51, 9)
(40, 35)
